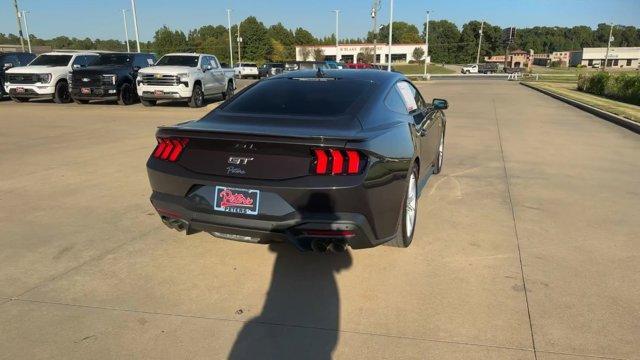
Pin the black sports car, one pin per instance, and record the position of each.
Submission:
(322, 159)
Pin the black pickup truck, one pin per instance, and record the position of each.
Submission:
(110, 78)
(9, 60)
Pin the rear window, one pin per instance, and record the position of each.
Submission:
(313, 97)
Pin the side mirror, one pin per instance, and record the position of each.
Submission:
(136, 68)
(76, 66)
(8, 66)
(440, 104)
(207, 67)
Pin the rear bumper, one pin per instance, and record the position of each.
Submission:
(288, 212)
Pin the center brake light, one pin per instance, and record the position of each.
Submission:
(337, 162)
(169, 148)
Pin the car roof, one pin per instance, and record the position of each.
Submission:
(378, 76)
(187, 54)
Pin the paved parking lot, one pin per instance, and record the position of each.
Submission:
(527, 247)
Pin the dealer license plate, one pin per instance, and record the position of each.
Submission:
(239, 201)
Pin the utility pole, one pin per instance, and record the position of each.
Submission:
(26, 28)
(126, 31)
(390, 34)
(479, 43)
(337, 41)
(426, 44)
(606, 57)
(374, 16)
(135, 23)
(15, 4)
(230, 44)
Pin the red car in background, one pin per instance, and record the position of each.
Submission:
(358, 66)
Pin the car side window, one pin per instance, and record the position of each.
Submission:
(394, 101)
(79, 60)
(214, 62)
(11, 59)
(90, 59)
(140, 61)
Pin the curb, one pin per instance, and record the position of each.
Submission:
(618, 120)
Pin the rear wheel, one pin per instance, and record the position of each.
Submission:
(197, 97)
(148, 102)
(229, 92)
(126, 96)
(19, 99)
(62, 95)
(409, 211)
(439, 155)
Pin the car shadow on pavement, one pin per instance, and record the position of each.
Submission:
(300, 318)
(301, 313)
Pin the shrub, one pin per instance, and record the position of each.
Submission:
(624, 87)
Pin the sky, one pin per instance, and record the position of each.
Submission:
(103, 18)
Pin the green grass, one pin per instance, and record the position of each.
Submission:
(419, 69)
(629, 111)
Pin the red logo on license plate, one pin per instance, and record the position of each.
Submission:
(236, 200)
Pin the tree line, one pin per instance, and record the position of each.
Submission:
(448, 43)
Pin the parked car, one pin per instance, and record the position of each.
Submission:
(246, 70)
(359, 66)
(270, 69)
(185, 76)
(9, 60)
(469, 69)
(335, 65)
(46, 77)
(358, 148)
(305, 65)
(490, 68)
(112, 77)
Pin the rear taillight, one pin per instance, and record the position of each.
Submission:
(337, 162)
(169, 148)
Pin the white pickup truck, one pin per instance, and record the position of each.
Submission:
(185, 76)
(46, 76)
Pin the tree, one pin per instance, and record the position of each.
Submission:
(366, 55)
(417, 54)
(255, 40)
(284, 39)
(318, 54)
(303, 37)
(403, 33)
(443, 38)
(278, 51)
(167, 41)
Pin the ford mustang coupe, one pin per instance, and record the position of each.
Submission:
(321, 159)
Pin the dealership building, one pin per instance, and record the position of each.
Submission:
(353, 53)
(619, 57)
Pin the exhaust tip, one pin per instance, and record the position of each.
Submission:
(318, 245)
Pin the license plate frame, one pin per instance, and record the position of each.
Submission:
(20, 90)
(85, 90)
(236, 200)
(158, 93)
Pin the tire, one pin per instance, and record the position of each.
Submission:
(439, 161)
(197, 97)
(126, 96)
(229, 92)
(148, 102)
(410, 200)
(19, 99)
(62, 95)
(80, 101)
(467, 72)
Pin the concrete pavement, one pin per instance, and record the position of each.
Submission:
(526, 247)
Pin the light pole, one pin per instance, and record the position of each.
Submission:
(230, 44)
(126, 31)
(26, 28)
(426, 44)
(239, 43)
(337, 28)
(390, 34)
(479, 43)
(374, 16)
(606, 57)
(135, 23)
(15, 4)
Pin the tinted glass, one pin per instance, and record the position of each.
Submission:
(113, 59)
(299, 97)
(191, 61)
(52, 60)
(10, 59)
(394, 101)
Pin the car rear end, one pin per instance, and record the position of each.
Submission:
(246, 70)
(274, 178)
